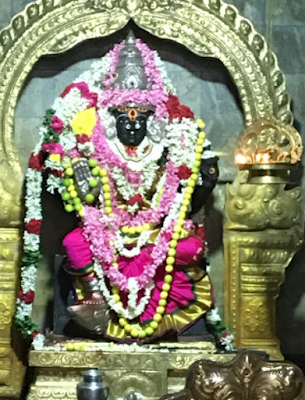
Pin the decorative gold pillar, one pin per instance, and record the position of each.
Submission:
(263, 230)
(11, 368)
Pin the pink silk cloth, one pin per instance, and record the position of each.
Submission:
(188, 252)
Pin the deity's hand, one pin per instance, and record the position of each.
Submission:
(209, 172)
(82, 176)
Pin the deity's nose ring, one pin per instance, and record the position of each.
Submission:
(132, 114)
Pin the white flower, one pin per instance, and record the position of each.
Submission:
(227, 341)
(23, 310)
(53, 165)
(165, 79)
(31, 241)
(86, 148)
(66, 108)
(68, 140)
(213, 315)
(181, 141)
(28, 277)
(39, 342)
(54, 183)
(131, 311)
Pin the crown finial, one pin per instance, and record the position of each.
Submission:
(130, 69)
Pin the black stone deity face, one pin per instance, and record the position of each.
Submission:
(131, 125)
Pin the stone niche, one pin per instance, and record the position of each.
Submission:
(203, 84)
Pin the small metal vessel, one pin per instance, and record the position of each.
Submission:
(91, 388)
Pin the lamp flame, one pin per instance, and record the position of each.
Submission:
(240, 159)
(266, 158)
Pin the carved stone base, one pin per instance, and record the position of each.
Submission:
(151, 373)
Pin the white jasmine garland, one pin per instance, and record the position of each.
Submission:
(213, 315)
(67, 140)
(39, 342)
(134, 163)
(86, 148)
(66, 108)
(42, 131)
(54, 183)
(181, 140)
(132, 208)
(133, 290)
(227, 342)
(53, 165)
(95, 75)
(135, 251)
(126, 189)
(165, 79)
(160, 186)
(31, 241)
(174, 210)
(28, 278)
(130, 312)
(23, 310)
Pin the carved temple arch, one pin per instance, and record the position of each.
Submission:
(206, 27)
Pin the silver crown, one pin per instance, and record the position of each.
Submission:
(130, 73)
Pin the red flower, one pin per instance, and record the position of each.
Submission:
(200, 232)
(225, 334)
(184, 172)
(33, 226)
(34, 334)
(56, 173)
(131, 152)
(177, 110)
(92, 97)
(36, 162)
(82, 138)
(57, 125)
(53, 148)
(27, 297)
(82, 86)
(137, 198)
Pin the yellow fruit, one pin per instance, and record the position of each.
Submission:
(157, 317)
(166, 287)
(134, 333)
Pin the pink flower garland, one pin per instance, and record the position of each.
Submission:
(97, 223)
(114, 57)
(96, 232)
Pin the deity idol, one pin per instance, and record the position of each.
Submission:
(127, 157)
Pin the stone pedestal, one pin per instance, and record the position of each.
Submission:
(151, 373)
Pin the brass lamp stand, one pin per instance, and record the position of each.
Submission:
(263, 230)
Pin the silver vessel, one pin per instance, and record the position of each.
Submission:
(91, 388)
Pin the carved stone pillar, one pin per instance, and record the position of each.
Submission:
(264, 229)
